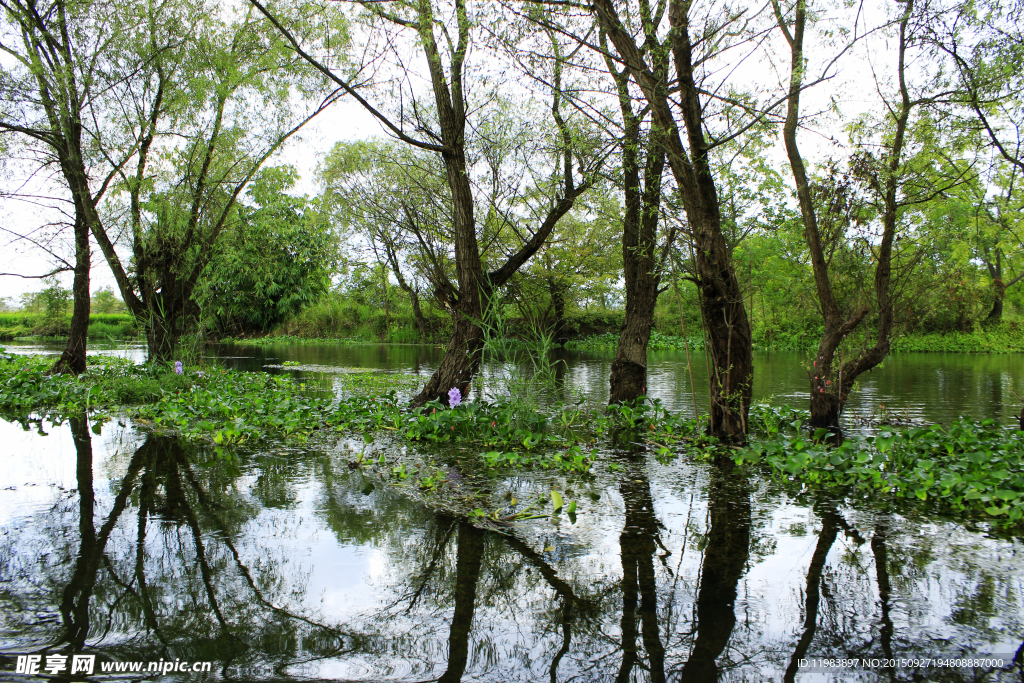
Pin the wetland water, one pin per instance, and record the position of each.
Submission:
(287, 564)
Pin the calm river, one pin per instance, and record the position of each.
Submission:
(288, 565)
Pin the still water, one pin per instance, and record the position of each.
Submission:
(287, 564)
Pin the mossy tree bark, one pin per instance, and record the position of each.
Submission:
(641, 268)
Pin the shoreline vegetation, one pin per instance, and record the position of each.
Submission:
(584, 332)
(1005, 338)
(972, 469)
(21, 325)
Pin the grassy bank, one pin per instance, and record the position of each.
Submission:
(101, 326)
(338, 319)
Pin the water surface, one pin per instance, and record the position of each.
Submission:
(287, 564)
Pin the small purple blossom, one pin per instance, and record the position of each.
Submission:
(178, 367)
(454, 397)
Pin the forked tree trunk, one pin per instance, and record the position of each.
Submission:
(475, 286)
(830, 389)
(721, 300)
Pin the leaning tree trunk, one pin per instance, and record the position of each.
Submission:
(459, 365)
(73, 359)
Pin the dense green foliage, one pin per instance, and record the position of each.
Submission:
(360, 314)
(274, 260)
(14, 324)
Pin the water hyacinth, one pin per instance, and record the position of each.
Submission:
(178, 367)
(454, 397)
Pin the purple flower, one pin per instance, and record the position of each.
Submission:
(178, 367)
(454, 397)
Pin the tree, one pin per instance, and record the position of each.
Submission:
(274, 257)
(104, 301)
(447, 127)
(685, 114)
(643, 164)
(996, 209)
(828, 209)
(213, 100)
(57, 76)
(392, 199)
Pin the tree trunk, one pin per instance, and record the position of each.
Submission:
(164, 322)
(828, 392)
(995, 271)
(628, 380)
(996, 314)
(417, 312)
(556, 289)
(73, 359)
(414, 296)
(459, 365)
(721, 300)
(475, 286)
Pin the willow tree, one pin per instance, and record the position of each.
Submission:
(451, 48)
(394, 197)
(894, 182)
(213, 100)
(681, 112)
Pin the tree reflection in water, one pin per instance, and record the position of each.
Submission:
(725, 560)
(180, 556)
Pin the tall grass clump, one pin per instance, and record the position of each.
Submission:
(345, 316)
